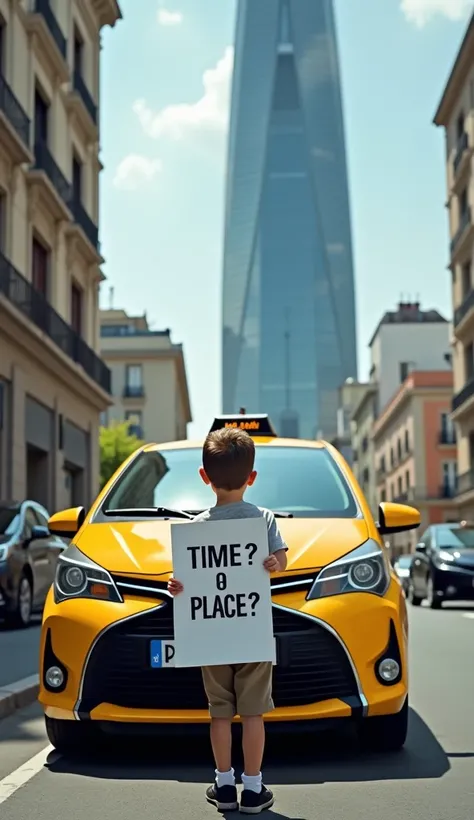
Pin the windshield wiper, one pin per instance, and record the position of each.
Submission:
(152, 512)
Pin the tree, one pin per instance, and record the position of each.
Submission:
(116, 445)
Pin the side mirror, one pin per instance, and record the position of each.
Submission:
(397, 518)
(420, 547)
(67, 522)
(39, 532)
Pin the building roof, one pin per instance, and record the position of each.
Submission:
(408, 313)
(462, 65)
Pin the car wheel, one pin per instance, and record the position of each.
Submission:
(71, 737)
(414, 599)
(384, 733)
(434, 602)
(21, 616)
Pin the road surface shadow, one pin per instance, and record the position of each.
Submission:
(289, 760)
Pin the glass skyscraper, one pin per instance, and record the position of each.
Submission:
(289, 336)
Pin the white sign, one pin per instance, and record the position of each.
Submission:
(224, 615)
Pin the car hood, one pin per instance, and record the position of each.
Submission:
(144, 547)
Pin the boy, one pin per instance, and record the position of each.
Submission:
(243, 689)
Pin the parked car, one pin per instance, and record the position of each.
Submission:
(402, 568)
(443, 565)
(28, 558)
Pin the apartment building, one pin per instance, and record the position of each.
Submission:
(456, 115)
(415, 451)
(350, 394)
(149, 383)
(53, 384)
(362, 422)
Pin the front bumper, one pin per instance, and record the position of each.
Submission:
(328, 651)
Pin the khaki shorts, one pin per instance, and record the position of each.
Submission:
(244, 689)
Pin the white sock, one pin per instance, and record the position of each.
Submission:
(252, 782)
(225, 778)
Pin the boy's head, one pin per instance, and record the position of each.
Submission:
(228, 457)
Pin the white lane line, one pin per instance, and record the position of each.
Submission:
(14, 781)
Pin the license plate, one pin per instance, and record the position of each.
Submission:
(162, 654)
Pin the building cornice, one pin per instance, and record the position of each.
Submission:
(462, 66)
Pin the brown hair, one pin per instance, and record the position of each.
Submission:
(228, 457)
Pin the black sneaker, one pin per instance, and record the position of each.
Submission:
(253, 803)
(223, 798)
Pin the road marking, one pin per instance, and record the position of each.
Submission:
(14, 781)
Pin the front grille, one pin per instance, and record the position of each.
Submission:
(312, 666)
(141, 587)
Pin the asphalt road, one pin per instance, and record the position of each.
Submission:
(19, 650)
(431, 779)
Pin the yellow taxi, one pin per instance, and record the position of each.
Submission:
(339, 612)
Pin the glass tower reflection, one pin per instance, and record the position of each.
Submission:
(289, 336)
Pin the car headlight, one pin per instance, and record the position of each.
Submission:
(362, 570)
(77, 576)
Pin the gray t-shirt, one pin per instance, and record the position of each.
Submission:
(241, 509)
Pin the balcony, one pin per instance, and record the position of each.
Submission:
(134, 391)
(14, 125)
(32, 304)
(463, 396)
(464, 309)
(53, 185)
(412, 495)
(447, 438)
(465, 224)
(88, 229)
(41, 21)
(465, 482)
(462, 147)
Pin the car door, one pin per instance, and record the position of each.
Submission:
(55, 545)
(421, 564)
(37, 555)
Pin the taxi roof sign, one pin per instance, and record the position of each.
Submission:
(257, 424)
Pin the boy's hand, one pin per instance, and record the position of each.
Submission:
(174, 586)
(272, 564)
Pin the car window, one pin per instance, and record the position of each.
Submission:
(455, 538)
(29, 522)
(9, 519)
(303, 481)
(426, 539)
(41, 519)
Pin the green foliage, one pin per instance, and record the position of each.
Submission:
(116, 445)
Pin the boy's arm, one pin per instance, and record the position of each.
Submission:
(276, 545)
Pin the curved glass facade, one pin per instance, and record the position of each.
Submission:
(289, 336)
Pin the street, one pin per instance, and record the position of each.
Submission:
(20, 649)
(432, 779)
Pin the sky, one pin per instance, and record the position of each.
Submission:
(165, 94)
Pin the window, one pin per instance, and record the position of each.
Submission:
(77, 178)
(407, 442)
(392, 457)
(40, 267)
(302, 480)
(2, 47)
(76, 308)
(448, 435)
(404, 371)
(471, 449)
(78, 53)
(400, 485)
(460, 126)
(133, 380)
(469, 361)
(466, 279)
(455, 538)
(365, 444)
(41, 118)
(383, 496)
(450, 474)
(9, 519)
(29, 522)
(134, 417)
(399, 449)
(463, 204)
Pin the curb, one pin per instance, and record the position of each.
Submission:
(17, 695)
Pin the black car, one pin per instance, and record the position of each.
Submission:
(28, 557)
(402, 568)
(443, 565)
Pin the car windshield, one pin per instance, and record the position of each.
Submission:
(9, 519)
(404, 563)
(455, 538)
(303, 481)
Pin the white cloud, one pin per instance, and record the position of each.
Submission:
(420, 12)
(134, 171)
(169, 18)
(210, 112)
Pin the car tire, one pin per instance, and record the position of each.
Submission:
(20, 617)
(384, 733)
(71, 737)
(433, 601)
(414, 600)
